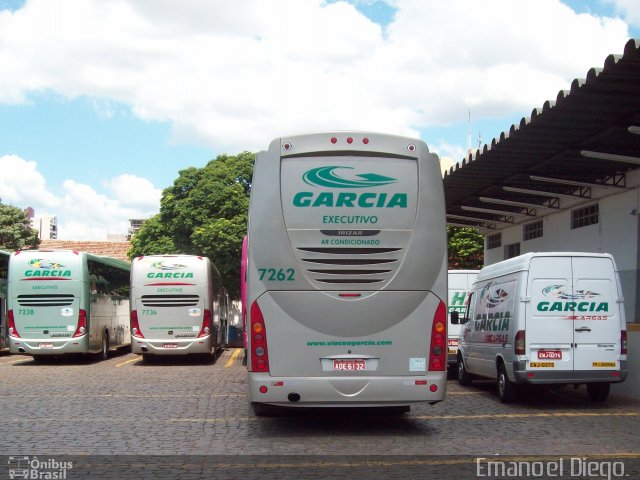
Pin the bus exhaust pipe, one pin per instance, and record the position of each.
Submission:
(144, 349)
(294, 397)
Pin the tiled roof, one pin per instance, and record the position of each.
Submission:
(110, 249)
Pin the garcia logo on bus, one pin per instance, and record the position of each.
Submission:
(570, 302)
(168, 270)
(43, 268)
(327, 177)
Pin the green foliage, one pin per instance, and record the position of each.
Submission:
(218, 240)
(466, 248)
(15, 232)
(153, 238)
(204, 212)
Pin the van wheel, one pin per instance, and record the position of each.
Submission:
(598, 392)
(464, 378)
(104, 352)
(506, 388)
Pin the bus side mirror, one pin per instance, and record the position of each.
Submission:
(455, 318)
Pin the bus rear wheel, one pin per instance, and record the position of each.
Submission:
(261, 409)
(42, 358)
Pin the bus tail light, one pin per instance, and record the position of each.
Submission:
(13, 331)
(520, 345)
(207, 326)
(623, 342)
(135, 326)
(259, 352)
(82, 324)
(438, 353)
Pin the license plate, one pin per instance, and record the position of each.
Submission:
(542, 364)
(170, 345)
(452, 350)
(452, 342)
(349, 365)
(46, 345)
(550, 354)
(604, 364)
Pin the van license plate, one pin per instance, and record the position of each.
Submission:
(550, 354)
(170, 345)
(349, 365)
(46, 345)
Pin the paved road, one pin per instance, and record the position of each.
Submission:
(179, 407)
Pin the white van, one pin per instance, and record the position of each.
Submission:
(460, 283)
(546, 318)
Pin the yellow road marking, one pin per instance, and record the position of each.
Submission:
(233, 357)
(424, 417)
(121, 395)
(128, 361)
(528, 415)
(454, 461)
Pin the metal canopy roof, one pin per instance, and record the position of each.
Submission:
(589, 137)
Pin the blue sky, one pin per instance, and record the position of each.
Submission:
(102, 102)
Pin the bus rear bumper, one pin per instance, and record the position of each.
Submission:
(347, 391)
(48, 346)
(192, 346)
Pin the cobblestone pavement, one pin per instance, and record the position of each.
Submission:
(179, 406)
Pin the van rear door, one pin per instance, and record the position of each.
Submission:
(549, 329)
(596, 319)
(574, 321)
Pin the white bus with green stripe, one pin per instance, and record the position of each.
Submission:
(347, 273)
(178, 306)
(67, 302)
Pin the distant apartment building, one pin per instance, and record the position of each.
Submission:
(45, 225)
(134, 226)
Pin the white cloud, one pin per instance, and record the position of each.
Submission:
(21, 182)
(135, 191)
(233, 75)
(630, 9)
(82, 212)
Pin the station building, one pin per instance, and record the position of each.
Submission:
(565, 179)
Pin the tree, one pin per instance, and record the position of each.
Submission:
(15, 232)
(152, 238)
(466, 248)
(204, 212)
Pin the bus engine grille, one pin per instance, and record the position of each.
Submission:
(350, 266)
(170, 300)
(48, 300)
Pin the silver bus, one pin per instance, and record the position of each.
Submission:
(4, 270)
(347, 273)
(64, 301)
(178, 306)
